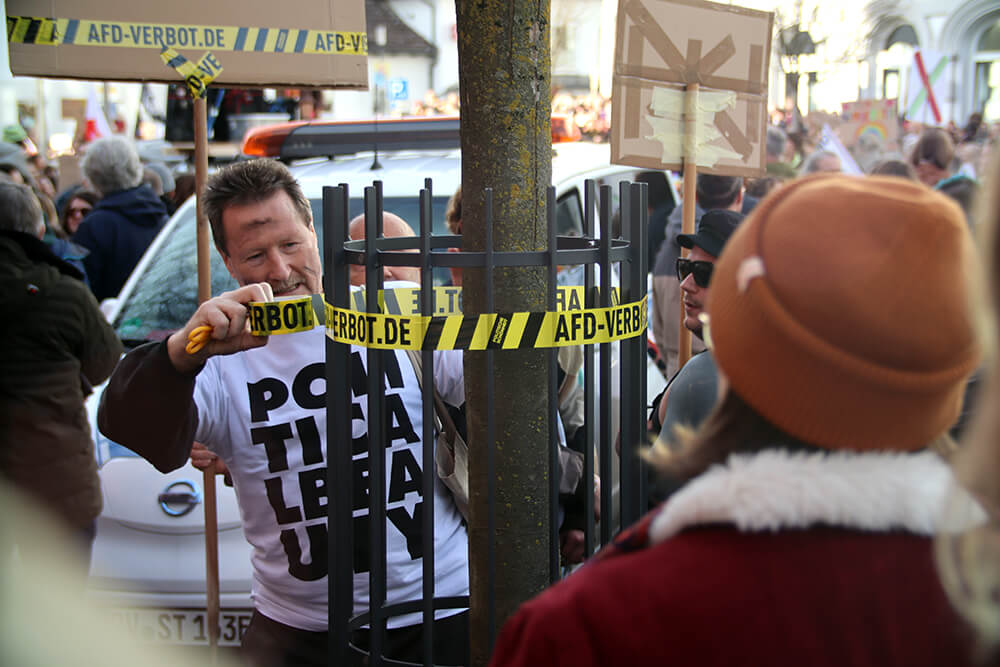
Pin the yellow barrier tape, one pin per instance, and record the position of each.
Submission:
(281, 317)
(87, 32)
(505, 331)
(448, 299)
(197, 77)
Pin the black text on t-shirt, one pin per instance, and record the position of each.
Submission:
(303, 537)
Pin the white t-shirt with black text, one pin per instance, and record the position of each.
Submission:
(263, 411)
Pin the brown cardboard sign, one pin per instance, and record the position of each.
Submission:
(663, 45)
(262, 44)
(876, 120)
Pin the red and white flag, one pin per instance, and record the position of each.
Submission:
(97, 122)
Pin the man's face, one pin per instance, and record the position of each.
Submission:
(267, 241)
(693, 297)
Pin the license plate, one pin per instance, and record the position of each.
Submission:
(180, 626)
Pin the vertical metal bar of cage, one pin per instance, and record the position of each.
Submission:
(589, 207)
(640, 288)
(339, 483)
(427, 402)
(552, 355)
(632, 198)
(491, 487)
(376, 435)
(626, 453)
(606, 436)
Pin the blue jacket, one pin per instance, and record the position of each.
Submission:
(117, 233)
(68, 251)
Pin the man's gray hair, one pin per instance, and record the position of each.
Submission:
(776, 141)
(811, 164)
(19, 209)
(112, 164)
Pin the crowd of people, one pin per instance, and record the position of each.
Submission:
(590, 112)
(65, 248)
(827, 439)
(102, 222)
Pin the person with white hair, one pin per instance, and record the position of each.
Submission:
(126, 219)
(821, 161)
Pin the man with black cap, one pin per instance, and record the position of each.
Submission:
(695, 271)
(690, 395)
(713, 192)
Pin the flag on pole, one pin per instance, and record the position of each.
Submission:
(829, 141)
(928, 88)
(97, 123)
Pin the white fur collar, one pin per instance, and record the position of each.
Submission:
(776, 489)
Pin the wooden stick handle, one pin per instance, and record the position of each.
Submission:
(204, 294)
(688, 202)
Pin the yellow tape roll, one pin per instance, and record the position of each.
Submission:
(283, 316)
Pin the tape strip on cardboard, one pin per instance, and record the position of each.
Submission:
(136, 35)
(197, 77)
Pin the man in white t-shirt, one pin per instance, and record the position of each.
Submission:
(259, 404)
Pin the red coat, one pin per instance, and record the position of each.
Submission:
(793, 582)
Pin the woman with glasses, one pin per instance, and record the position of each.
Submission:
(80, 204)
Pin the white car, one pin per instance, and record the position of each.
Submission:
(148, 562)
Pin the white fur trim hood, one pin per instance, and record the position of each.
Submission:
(776, 489)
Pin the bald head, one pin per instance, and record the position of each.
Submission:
(392, 226)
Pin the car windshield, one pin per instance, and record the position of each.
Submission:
(165, 296)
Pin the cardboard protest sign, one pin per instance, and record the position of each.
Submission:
(663, 45)
(869, 121)
(261, 44)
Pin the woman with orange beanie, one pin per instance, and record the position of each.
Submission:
(841, 324)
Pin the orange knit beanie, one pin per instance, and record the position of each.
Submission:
(840, 311)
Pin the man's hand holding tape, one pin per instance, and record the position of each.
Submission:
(226, 314)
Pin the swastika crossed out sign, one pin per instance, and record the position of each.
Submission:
(651, 72)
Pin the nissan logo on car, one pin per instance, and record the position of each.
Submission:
(179, 498)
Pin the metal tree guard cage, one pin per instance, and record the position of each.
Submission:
(597, 254)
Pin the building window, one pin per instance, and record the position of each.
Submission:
(890, 84)
(561, 37)
(986, 84)
(904, 34)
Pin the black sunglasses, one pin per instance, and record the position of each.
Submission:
(701, 269)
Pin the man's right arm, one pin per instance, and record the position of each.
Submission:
(148, 405)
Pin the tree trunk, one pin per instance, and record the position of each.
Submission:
(504, 77)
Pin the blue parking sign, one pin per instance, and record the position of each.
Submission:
(399, 90)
